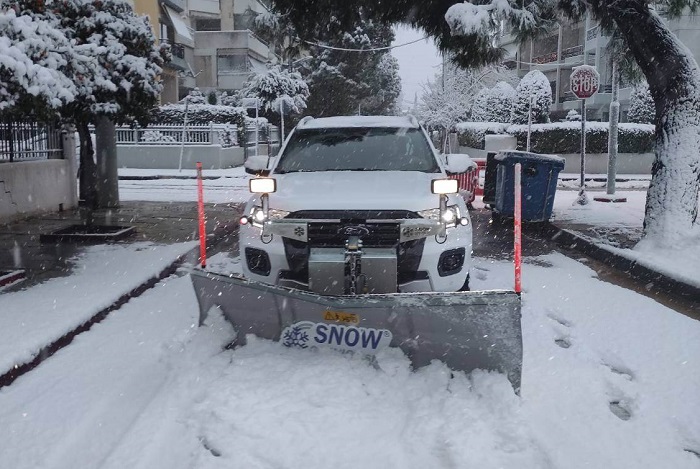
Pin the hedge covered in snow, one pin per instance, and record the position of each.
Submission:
(198, 114)
(562, 137)
(471, 134)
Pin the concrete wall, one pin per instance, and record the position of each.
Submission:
(36, 186)
(596, 163)
(168, 156)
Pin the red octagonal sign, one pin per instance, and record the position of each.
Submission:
(585, 81)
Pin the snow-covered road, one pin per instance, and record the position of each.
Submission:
(611, 379)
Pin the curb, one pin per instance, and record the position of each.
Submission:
(219, 234)
(572, 241)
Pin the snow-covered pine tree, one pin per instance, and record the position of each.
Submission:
(536, 86)
(275, 86)
(347, 82)
(641, 105)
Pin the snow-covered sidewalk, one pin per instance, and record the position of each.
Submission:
(32, 319)
(617, 227)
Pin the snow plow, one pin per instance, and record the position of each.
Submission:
(356, 240)
(465, 330)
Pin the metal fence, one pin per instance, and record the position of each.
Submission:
(212, 134)
(24, 141)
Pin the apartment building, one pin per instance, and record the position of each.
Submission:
(226, 51)
(573, 44)
(211, 41)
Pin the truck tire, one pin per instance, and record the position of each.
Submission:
(465, 287)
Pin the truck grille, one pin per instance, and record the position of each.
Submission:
(330, 234)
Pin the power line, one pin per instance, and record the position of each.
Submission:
(374, 49)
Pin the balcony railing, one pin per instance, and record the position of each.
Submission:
(546, 58)
(572, 51)
(592, 33)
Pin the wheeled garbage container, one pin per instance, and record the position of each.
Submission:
(539, 184)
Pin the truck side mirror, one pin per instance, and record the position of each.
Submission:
(458, 163)
(257, 165)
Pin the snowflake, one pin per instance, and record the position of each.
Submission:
(295, 337)
(299, 231)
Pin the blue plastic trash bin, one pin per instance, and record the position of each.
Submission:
(539, 184)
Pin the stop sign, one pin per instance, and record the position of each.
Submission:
(585, 81)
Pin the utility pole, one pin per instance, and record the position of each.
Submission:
(612, 139)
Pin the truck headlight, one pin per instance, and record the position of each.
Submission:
(450, 217)
(257, 215)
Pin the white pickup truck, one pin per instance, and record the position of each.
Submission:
(355, 205)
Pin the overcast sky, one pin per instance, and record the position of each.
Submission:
(417, 62)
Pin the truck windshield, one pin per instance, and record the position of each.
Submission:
(357, 149)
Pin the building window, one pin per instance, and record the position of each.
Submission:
(164, 32)
(244, 21)
(233, 63)
(207, 24)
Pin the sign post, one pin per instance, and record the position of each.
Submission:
(585, 82)
(250, 103)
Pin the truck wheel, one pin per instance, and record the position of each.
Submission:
(465, 287)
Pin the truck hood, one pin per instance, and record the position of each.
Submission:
(355, 190)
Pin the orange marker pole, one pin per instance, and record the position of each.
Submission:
(518, 229)
(202, 229)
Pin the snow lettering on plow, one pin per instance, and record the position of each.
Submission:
(307, 334)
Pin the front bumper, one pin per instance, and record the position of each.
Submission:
(417, 243)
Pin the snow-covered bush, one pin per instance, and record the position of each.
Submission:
(536, 86)
(228, 136)
(561, 137)
(226, 99)
(499, 102)
(479, 111)
(642, 108)
(573, 116)
(471, 134)
(155, 136)
(194, 97)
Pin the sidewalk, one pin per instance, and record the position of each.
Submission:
(610, 232)
(71, 285)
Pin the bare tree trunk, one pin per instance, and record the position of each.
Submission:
(107, 182)
(87, 173)
(674, 81)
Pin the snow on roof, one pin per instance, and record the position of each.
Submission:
(360, 121)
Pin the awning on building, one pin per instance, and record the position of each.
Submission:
(182, 32)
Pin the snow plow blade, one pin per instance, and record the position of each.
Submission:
(466, 330)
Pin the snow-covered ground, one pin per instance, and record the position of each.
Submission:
(33, 318)
(610, 379)
(230, 185)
